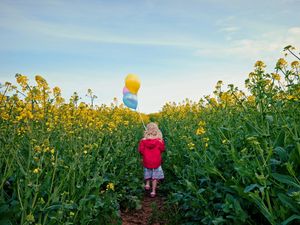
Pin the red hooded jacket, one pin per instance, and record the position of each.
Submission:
(151, 150)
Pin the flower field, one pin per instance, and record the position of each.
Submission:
(231, 158)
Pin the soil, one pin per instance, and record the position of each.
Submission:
(148, 214)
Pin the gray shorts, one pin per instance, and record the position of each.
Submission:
(154, 174)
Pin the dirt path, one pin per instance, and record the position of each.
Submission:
(148, 214)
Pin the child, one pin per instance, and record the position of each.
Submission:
(151, 147)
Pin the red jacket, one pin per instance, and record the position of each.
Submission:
(151, 150)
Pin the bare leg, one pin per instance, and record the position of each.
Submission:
(147, 185)
(154, 184)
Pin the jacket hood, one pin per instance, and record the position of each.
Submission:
(150, 143)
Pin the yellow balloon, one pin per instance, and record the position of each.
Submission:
(132, 82)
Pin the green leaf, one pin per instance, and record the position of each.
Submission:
(219, 220)
(251, 129)
(262, 208)
(281, 152)
(279, 141)
(285, 179)
(290, 219)
(274, 162)
(70, 206)
(288, 202)
(251, 187)
(200, 190)
(53, 207)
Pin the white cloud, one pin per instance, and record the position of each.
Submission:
(225, 21)
(229, 29)
(34, 27)
(294, 31)
(267, 46)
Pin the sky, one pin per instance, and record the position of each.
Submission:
(178, 48)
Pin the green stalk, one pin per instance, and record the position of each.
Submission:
(50, 190)
(45, 218)
(298, 148)
(26, 185)
(54, 172)
(3, 95)
(4, 178)
(52, 180)
(20, 200)
(269, 202)
(35, 196)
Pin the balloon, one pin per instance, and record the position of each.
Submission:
(132, 82)
(125, 90)
(130, 100)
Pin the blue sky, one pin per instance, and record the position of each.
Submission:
(178, 48)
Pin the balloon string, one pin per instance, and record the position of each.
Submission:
(141, 119)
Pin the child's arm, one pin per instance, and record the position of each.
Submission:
(141, 147)
(161, 145)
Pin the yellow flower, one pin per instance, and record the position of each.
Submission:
(52, 151)
(259, 64)
(227, 98)
(47, 149)
(30, 218)
(252, 75)
(72, 213)
(268, 82)
(22, 80)
(201, 124)
(37, 148)
(276, 76)
(36, 170)
(225, 141)
(206, 139)
(251, 98)
(110, 186)
(41, 82)
(213, 101)
(191, 146)
(200, 131)
(56, 91)
(281, 63)
(295, 64)
(85, 151)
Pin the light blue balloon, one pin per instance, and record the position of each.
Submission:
(130, 100)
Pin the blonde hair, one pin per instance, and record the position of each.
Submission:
(152, 131)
